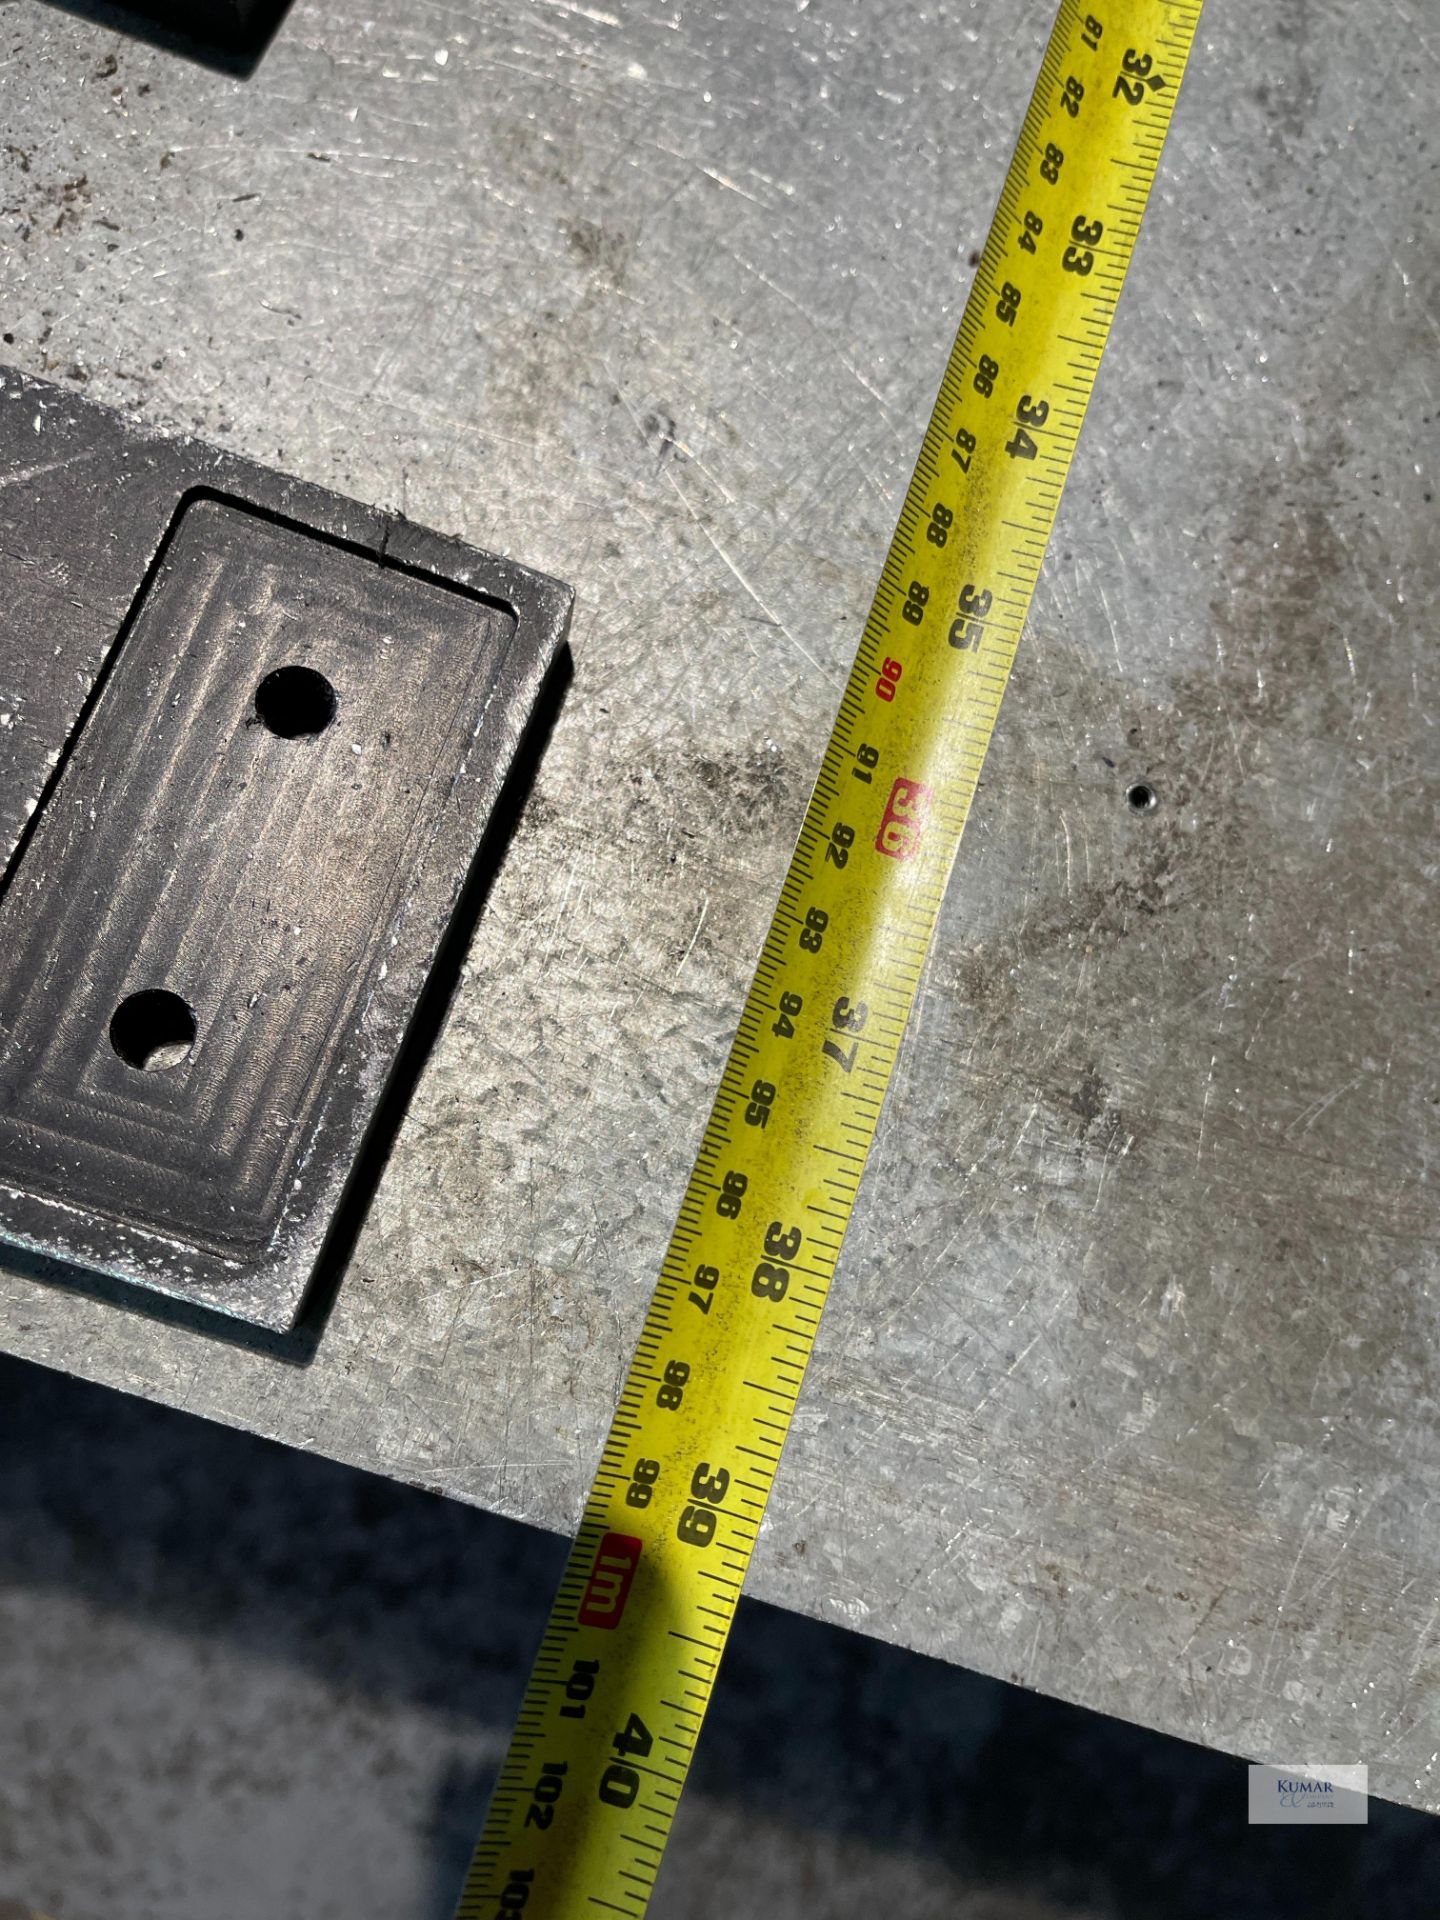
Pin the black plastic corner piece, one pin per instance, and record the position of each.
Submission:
(229, 34)
(286, 721)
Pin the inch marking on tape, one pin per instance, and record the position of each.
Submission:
(585, 1799)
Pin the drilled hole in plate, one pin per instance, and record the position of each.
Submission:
(295, 702)
(1142, 797)
(152, 1030)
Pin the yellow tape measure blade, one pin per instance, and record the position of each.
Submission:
(588, 1790)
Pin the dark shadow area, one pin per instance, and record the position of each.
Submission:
(1086, 1813)
(298, 1346)
(388, 1592)
(230, 35)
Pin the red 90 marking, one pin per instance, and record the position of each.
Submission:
(904, 824)
(890, 674)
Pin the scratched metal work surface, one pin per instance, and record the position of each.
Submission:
(1127, 1389)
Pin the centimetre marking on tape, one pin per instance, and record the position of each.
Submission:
(588, 1790)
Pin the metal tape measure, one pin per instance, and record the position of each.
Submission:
(589, 1788)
